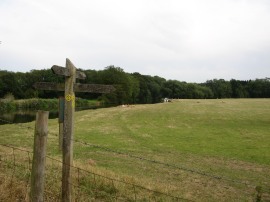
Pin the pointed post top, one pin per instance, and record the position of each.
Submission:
(67, 71)
(70, 67)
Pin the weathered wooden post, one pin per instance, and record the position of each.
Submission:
(39, 157)
(70, 86)
(68, 132)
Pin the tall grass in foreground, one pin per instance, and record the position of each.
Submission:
(89, 184)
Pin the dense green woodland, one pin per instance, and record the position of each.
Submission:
(132, 88)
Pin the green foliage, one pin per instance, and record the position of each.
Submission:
(239, 89)
(42, 104)
(123, 82)
(259, 88)
(7, 106)
(83, 103)
(132, 88)
(9, 97)
(220, 88)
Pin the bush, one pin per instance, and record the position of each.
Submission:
(9, 97)
(7, 106)
(42, 104)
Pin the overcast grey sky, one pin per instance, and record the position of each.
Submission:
(186, 40)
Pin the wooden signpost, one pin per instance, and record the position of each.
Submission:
(70, 74)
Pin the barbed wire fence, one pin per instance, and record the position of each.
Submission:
(91, 186)
(87, 184)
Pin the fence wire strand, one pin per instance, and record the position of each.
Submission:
(199, 172)
(89, 173)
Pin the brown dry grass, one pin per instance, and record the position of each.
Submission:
(14, 184)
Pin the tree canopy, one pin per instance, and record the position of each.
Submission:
(133, 88)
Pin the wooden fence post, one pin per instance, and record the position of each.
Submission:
(39, 157)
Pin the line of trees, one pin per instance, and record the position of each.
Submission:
(133, 88)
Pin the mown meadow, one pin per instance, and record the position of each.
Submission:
(200, 150)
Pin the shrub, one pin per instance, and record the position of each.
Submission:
(9, 97)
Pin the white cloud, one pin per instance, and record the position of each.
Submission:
(186, 40)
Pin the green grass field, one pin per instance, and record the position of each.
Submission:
(223, 137)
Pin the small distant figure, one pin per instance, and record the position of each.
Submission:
(167, 100)
(125, 105)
